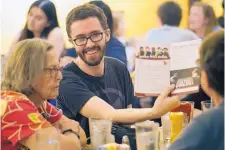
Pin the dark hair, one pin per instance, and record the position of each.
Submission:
(107, 11)
(49, 9)
(222, 4)
(212, 60)
(85, 11)
(170, 13)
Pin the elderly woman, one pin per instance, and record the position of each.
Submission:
(206, 132)
(30, 77)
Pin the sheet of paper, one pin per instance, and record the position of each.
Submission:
(151, 76)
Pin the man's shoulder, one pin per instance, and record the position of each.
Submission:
(70, 72)
(113, 62)
(154, 30)
(185, 31)
(183, 34)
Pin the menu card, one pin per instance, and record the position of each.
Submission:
(158, 66)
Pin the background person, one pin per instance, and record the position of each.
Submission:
(42, 22)
(221, 18)
(169, 16)
(202, 19)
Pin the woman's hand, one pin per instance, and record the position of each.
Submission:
(69, 124)
(64, 123)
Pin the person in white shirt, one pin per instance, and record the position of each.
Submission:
(170, 15)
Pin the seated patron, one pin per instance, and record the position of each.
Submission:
(206, 132)
(114, 48)
(30, 77)
(97, 86)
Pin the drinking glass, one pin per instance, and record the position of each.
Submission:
(100, 131)
(147, 135)
(166, 128)
(206, 105)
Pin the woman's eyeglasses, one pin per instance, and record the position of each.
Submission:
(54, 71)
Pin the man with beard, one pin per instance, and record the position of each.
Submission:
(97, 86)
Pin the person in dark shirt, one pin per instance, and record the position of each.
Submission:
(97, 86)
(114, 48)
(206, 132)
(221, 18)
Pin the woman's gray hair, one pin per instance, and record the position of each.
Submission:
(24, 64)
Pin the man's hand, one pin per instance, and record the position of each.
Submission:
(164, 104)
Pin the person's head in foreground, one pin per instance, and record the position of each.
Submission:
(212, 66)
(207, 130)
(41, 20)
(30, 77)
(88, 31)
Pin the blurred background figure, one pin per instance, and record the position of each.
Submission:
(119, 26)
(169, 16)
(131, 51)
(221, 18)
(114, 48)
(42, 22)
(202, 19)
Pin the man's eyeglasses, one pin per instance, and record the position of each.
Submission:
(94, 38)
(54, 71)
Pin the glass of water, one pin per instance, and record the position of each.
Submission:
(100, 131)
(166, 128)
(147, 135)
(206, 105)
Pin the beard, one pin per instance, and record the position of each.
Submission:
(100, 52)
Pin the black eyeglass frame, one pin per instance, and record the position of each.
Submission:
(89, 37)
